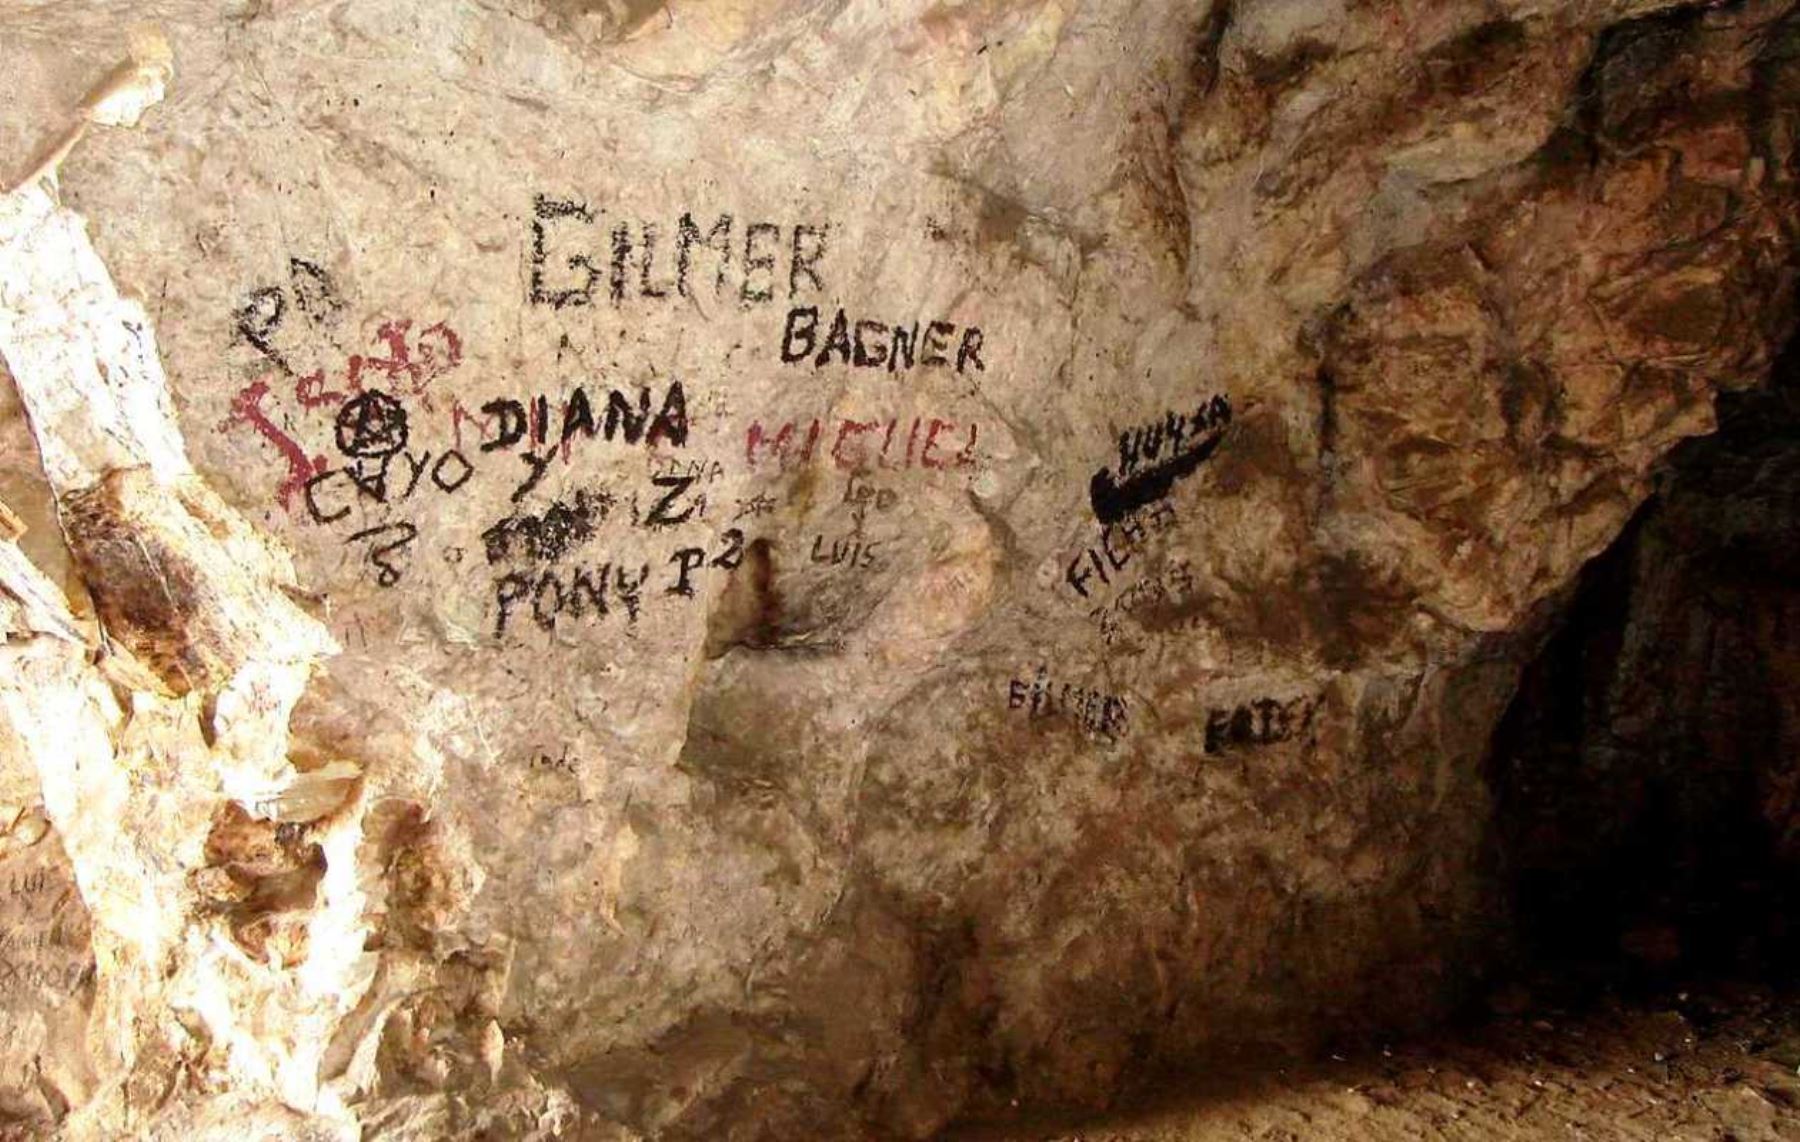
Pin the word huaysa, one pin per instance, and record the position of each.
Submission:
(573, 254)
(856, 445)
(875, 344)
(1154, 456)
(1092, 710)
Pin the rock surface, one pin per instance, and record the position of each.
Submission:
(802, 569)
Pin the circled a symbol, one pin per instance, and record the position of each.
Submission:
(371, 426)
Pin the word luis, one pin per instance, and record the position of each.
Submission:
(851, 552)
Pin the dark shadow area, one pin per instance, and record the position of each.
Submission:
(1647, 776)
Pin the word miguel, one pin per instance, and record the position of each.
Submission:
(519, 423)
(1145, 473)
(1093, 711)
(553, 595)
(851, 450)
(632, 264)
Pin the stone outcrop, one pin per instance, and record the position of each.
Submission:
(775, 568)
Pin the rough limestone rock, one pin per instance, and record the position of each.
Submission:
(804, 568)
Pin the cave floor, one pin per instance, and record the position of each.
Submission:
(1717, 1063)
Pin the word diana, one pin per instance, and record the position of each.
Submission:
(618, 418)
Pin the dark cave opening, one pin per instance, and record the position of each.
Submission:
(1647, 774)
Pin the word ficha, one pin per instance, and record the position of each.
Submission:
(1130, 532)
(1153, 457)
(874, 344)
(629, 266)
(1094, 711)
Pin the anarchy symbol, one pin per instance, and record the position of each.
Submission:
(371, 426)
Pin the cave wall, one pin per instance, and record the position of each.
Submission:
(787, 568)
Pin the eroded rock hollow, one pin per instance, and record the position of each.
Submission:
(809, 568)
